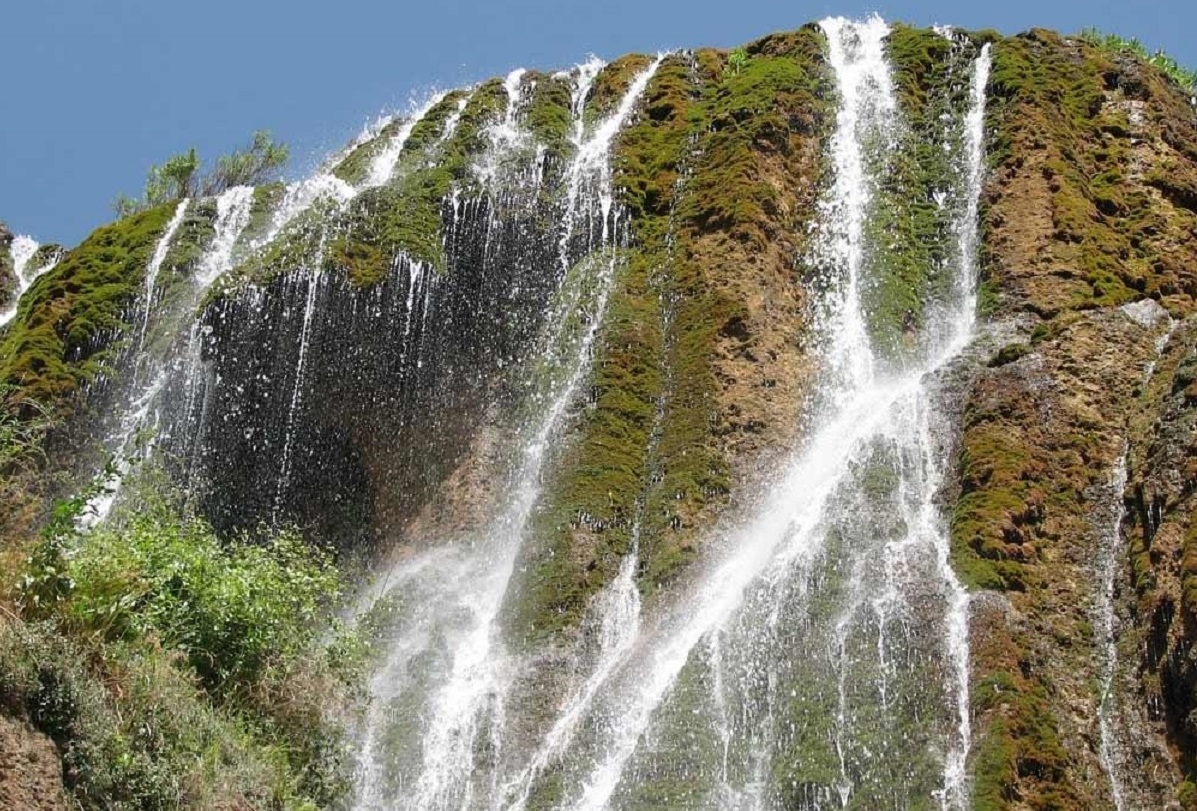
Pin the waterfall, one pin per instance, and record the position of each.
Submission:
(232, 216)
(815, 656)
(1109, 566)
(24, 252)
(152, 270)
(448, 667)
(153, 370)
(735, 629)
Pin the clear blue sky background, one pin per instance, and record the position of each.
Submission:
(91, 92)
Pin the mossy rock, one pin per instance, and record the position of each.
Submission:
(71, 321)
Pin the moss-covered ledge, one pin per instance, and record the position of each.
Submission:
(70, 322)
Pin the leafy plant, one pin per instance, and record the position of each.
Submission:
(234, 610)
(737, 60)
(258, 163)
(176, 669)
(1112, 43)
(24, 423)
(179, 176)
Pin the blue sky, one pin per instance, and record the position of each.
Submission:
(92, 93)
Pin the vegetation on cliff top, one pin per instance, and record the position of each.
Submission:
(179, 175)
(1184, 77)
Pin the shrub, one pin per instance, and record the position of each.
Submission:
(178, 176)
(21, 460)
(258, 163)
(176, 670)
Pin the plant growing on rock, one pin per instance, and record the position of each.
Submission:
(258, 163)
(178, 177)
(1186, 78)
(737, 60)
(173, 668)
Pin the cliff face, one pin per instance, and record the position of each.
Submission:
(1089, 247)
(587, 311)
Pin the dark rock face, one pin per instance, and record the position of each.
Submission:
(343, 408)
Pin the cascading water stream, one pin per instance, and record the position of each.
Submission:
(1116, 745)
(955, 794)
(232, 216)
(313, 282)
(383, 166)
(152, 270)
(324, 185)
(1111, 556)
(466, 706)
(153, 371)
(24, 249)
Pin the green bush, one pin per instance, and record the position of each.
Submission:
(175, 670)
(178, 176)
(232, 610)
(140, 733)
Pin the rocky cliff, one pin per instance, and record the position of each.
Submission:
(540, 351)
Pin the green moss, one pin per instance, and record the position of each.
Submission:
(610, 85)
(548, 116)
(1048, 99)
(592, 501)
(676, 768)
(1020, 760)
(747, 114)
(47, 254)
(430, 129)
(1009, 353)
(404, 216)
(426, 132)
(993, 769)
(70, 322)
(1188, 567)
(193, 235)
(648, 454)
(996, 502)
(380, 223)
(294, 248)
(355, 166)
(910, 225)
(261, 212)
(1186, 794)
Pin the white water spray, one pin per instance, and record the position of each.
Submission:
(382, 168)
(155, 266)
(469, 703)
(23, 250)
(1111, 556)
(153, 371)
